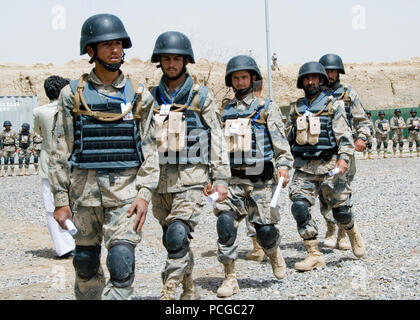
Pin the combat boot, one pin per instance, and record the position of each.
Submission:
(230, 285)
(20, 172)
(330, 237)
(342, 241)
(36, 169)
(385, 154)
(12, 171)
(277, 264)
(370, 155)
(26, 171)
(364, 154)
(356, 241)
(257, 253)
(169, 290)
(395, 153)
(313, 260)
(418, 154)
(5, 169)
(411, 154)
(190, 291)
(401, 154)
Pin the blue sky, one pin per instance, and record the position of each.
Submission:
(299, 30)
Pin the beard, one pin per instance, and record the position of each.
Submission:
(176, 77)
(311, 90)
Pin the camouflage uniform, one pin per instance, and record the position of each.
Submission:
(252, 199)
(37, 142)
(8, 139)
(397, 133)
(24, 143)
(413, 133)
(179, 196)
(382, 136)
(100, 199)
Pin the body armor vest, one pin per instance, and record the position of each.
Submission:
(413, 119)
(326, 145)
(105, 145)
(341, 92)
(24, 140)
(194, 149)
(382, 123)
(261, 148)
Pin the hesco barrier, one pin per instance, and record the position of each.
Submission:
(17, 109)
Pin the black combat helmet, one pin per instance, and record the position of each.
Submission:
(413, 110)
(173, 42)
(239, 63)
(381, 112)
(397, 110)
(103, 27)
(26, 126)
(311, 67)
(7, 123)
(332, 61)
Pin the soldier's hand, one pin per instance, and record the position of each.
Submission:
(61, 214)
(222, 191)
(360, 145)
(285, 174)
(342, 165)
(139, 206)
(207, 190)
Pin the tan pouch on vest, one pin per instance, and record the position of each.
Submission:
(161, 132)
(302, 130)
(24, 139)
(385, 126)
(238, 134)
(314, 130)
(176, 131)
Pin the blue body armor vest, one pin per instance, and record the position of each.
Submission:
(261, 146)
(196, 150)
(338, 93)
(326, 145)
(105, 145)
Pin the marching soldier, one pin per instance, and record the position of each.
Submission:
(259, 155)
(8, 138)
(321, 140)
(397, 128)
(359, 123)
(104, 162)
(382, 129)
(192, 151)
(413, 125)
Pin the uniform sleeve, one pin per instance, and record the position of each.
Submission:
(37, 128)
(219, 156)
(392, 124)
(61, 149)
(360, 120)
(283, 158)
(342, 132)
(148, 174)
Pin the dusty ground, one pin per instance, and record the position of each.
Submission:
(380, 85)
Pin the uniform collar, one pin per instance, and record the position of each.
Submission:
(118, 83)
(247, 100)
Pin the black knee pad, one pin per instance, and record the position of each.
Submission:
(121, 264)
(401, 144)
(385, 145)
(164, 229)
(417, 144)
(267, 235)
(6, 160)
(342, 214)
(369, 145)
(394, 144)
(36, 159)
(176, 239)
(410, 144)
(300, 211)
(86, 261)
(27, 160)
(20, 160)
(226, 228)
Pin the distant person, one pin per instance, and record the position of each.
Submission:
(274, 65)
(397, 127)
(8, 138)
(413, 125)
(24, 147)
(382, 133)
(43, 123)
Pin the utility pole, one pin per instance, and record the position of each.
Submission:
(270, 88)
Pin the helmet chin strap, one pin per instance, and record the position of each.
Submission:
(241, 92)
(110, 67)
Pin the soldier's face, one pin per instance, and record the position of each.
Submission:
(242, 79)
(310, 84)
(381, 116)
(7, 128)
(397, 114)
(332, 75)
(413, 114)
(172, 65)
(110, 51)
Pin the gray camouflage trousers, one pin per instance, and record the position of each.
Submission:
(252, 201)
(336, 192)
(93, 225)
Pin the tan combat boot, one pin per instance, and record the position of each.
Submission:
(12, 171)
(5, 169)
(26, 171)
(20, 172)
(36, 169)
(385, 154)
(418, 154)
(370, 155)
(342, 241)
(169, 290)
(257, 253)
(190, 291)
(356, 241)
(395, 154)
(277, 264)
(230, 285)
(364, 154)
(313, 260)
(330, 237)
(401, 154)
(411, 154)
